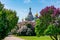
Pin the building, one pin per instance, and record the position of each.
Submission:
(28, 20)
(30, 16)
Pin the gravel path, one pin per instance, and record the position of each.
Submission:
(12, 38)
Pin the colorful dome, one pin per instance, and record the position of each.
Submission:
(36, 14)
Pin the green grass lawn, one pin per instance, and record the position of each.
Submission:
(35, 37)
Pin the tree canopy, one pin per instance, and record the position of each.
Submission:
(48, 22)
(8, 21)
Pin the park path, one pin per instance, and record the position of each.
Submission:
(13, 38)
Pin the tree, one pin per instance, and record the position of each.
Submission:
(1, 6)
(8, 21)
(48, 23)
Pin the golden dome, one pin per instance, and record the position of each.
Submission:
(36, 14)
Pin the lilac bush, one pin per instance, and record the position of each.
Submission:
(55, 11)
(48, 22)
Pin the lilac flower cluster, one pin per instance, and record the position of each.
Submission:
(54, 11)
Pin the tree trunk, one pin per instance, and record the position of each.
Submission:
(51, 37)
(55, 36)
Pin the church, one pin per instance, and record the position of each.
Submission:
(30, 19)
(30, 16)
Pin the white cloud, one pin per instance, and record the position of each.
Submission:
(27, 1)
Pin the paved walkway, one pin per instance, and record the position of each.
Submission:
(12, 38)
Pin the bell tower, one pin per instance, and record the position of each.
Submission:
(30, 16)
(30, 13)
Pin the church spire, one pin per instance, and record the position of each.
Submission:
(30, 16)
(30, 9)
(30, 13)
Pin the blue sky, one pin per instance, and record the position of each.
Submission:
(22, 6)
